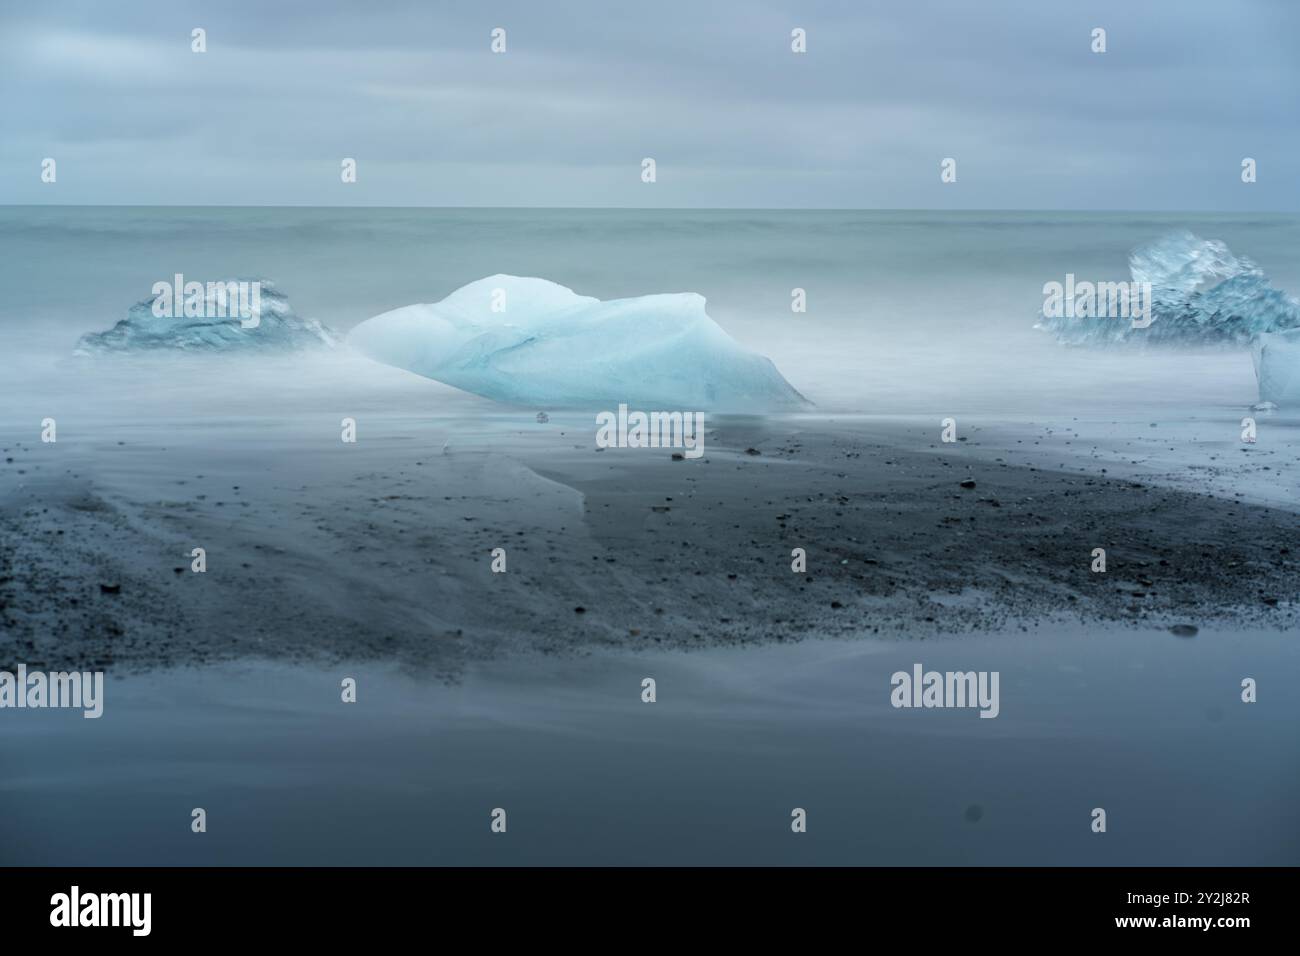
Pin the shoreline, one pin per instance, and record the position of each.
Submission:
(382, 550)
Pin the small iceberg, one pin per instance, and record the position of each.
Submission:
(1201, 294)
(234, 315)
(531, 342)
(1277, 366)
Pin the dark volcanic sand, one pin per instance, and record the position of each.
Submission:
(381, 550)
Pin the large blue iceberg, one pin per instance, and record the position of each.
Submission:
(531, 342)
(1201, 294)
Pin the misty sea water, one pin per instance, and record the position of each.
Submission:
(906, 311)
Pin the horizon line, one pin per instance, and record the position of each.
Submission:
(845, 209)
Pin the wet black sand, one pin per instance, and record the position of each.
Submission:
(381, 551)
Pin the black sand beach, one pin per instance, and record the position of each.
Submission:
(381, 551)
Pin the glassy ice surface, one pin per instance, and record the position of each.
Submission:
(1201, 294)
(1277, 363)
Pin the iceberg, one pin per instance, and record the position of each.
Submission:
(528, 341)
(1201, 294)
(214, 323)
(1277, 365)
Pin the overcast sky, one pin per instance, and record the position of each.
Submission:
(708, 88)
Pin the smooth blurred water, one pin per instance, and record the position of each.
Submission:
(907, 311)
(1146, 725)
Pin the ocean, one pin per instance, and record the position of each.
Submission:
(906, 312)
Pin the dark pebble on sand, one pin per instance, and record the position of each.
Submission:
(968, 483)
(836, 604)
(579, 610)
(752, 451)
(1184, 630)
(1270, 601)
(677, 456)
(110, 589)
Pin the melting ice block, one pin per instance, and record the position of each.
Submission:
(531, 342)
(1201, 294)
(214, 319)
(1277, 365)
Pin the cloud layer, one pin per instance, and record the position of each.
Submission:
(711, 91)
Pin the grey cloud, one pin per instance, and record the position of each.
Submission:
(710, 90)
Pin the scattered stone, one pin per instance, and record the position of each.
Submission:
(110, 589)
(543, 418)
(1184, 630)
(968, 483)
